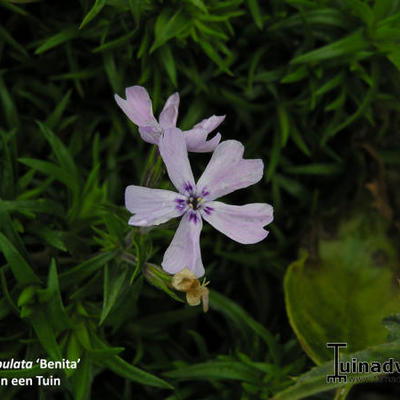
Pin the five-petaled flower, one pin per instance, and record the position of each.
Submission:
(226, 172)
(139, 110)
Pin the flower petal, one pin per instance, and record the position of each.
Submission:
(196, 141)
(244, 224)
(150, 134)
(152, 206)
(184, 250)
(139, 110)
(173, 151)
(168, 117)
(227, 171)
(169, 114)
(137, 106)
(196, 138)
(209, 124)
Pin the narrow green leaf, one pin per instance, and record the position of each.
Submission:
(57, 313)
(115, 43)
(383, 9)
(350, 45)
(85, 269)
(315, 169)
(255, 61)
(54, 118)
(112, 286)
(62, 153)
(6, 36)
(82, 379)
(12, 7)
(5, 309)
(200, 5)
(291, 186)
(207, 30)
(81, 332)
(97, 7)
(9, 230)
(51, 169)
(10, 110)
(6, 294)
(50, 236)
(320, 17)
(122, 368)
(20, 268)
(274, 157)
(330, 84)
(361, 10)
(22, 373)
(297, 75)
(168, 25)
(57, 39)
(7, 168)
(218, 370)
(256, 13)
(271, 76)
(168, 61)
(81, 74)
(284, 124)
(45, 206)
(339, 101)
(298, 139)
(36, 191)
(213, 54)
(234, 312)
(391, 51)
(366, 101)
(114, 76)
(45, 334)
(27, 295)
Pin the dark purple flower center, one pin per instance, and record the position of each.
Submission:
(194, 202)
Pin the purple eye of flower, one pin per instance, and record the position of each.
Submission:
(188, 187)
(193, 217)
(194, 202)
(180, 204)
(208, 210)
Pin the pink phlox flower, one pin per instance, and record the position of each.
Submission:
(226, 172)
(139, 109)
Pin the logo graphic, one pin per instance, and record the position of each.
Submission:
(336, 377)
(364, 370)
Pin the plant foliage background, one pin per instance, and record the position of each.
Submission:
(311, 87)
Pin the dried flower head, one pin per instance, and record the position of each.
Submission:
(186, 281)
